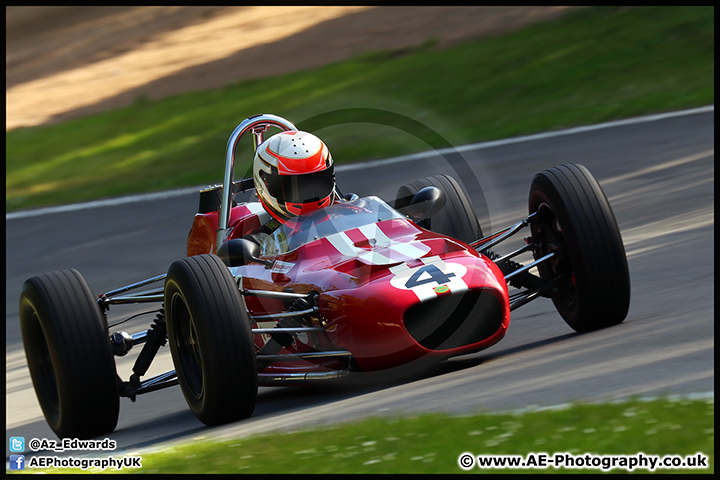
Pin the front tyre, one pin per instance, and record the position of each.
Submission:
(210, 340)
(575, 220)
(69, 355)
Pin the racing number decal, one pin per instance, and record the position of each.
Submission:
(434, 277)
(431, 274)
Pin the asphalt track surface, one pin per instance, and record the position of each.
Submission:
(659, 178)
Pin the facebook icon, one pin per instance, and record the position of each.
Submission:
(17, 462)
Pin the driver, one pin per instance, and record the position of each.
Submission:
(294, 174)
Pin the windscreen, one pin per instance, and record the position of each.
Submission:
(339, 217)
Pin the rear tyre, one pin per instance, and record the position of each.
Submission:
(575, 219)
(69, 355)
(457, 219)
(210, 340)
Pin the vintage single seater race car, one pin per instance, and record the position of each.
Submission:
(360, 285)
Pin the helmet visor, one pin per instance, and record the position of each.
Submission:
(305, 188)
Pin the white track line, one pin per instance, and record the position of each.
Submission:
(110, 202)
(372, 163)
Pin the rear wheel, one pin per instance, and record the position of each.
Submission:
(69, 355)
(457, 219)
(575, 220)
(210, 340)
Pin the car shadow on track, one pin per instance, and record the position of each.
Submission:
(278, 400)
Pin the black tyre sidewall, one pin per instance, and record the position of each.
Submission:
(593, 243)
(457, 218)
(59, 310)
(229, 371)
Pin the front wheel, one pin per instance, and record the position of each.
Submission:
(69, 355)
(574, 219)
(210, 340)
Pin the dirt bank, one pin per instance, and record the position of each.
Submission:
(65, 62)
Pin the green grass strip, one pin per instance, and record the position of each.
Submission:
(433, 443)
(591, 66)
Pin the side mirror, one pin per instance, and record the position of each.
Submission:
(424, 204)
(240, 251)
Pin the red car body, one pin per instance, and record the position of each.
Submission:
(390, 292)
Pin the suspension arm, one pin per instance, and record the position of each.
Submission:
(501, 235)
(522, 298)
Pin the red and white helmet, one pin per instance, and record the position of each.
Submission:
(293, 174)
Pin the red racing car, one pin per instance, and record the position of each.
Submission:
(360, 285)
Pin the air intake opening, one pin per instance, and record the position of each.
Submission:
(456, 320)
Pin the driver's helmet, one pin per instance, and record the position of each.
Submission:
(293, 174)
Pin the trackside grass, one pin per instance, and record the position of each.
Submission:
(590, 66)
(433, 443)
